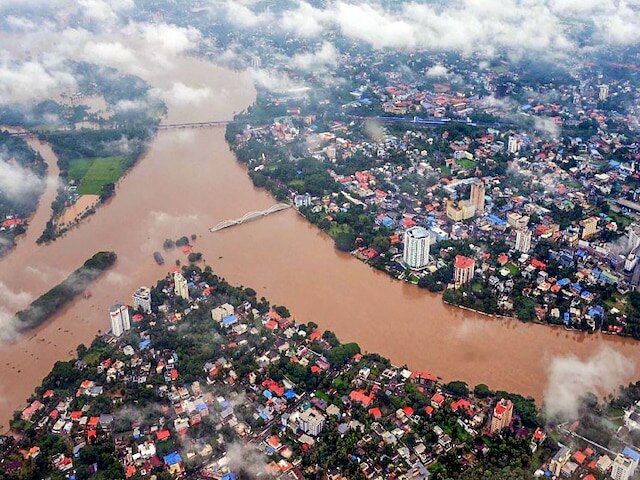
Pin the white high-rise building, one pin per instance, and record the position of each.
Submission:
(622, 468)
(514, 144)
(416, 247)
(523, 240)
(634, 236)
(181, 287)
(119, 319)
(142, 299)
(603, 92)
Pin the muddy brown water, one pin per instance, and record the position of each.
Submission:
(189, 181)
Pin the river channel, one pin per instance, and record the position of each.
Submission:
(189, 181)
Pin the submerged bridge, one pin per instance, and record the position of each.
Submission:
(250, 216)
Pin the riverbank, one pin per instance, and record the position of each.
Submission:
(283, 257)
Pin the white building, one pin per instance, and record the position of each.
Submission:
(622, 468)
(311, 422)
(218, 313)
(416, 248)
(142, 299)
(119, 319)
(603, 92)
(181, 287)
(513, 146)
(523, 240)
(633, 236)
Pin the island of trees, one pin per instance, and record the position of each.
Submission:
(49, 303)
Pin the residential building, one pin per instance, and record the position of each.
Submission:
(603, 92)
(142, 299)
(458, 211)
(119, 319)
(622, 468)
(417, 242)
(311, 421)
(513, 145)
(634, 236)
(559, 460)
(181, 288)
(302, 200)
(516, 220)
(589, 227)
(464, 269)
(223, 311)
(502, 414)
(523, 240)
(477, 196)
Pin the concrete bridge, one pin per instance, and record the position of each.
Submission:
(249, 216)
(162, 126)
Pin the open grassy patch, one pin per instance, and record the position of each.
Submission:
(467, 164)
(91, 174)
(512, 268)
(337, 228)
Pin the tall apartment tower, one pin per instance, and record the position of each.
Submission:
(119, 319)
(142, 299)
(502, 414)
(603, 92)
(477, 196)
(523, 240)
(513, 145)
(417, 243)
(181, 288)
(463, 269)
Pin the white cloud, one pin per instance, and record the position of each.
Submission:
(436, 71)
(305, 20)
(275, 81)
(185, 95)
(32, 81)
(325, 57)
(571, 378)
(18, 183)
(109, 53)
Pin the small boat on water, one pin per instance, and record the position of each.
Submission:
(157, 256)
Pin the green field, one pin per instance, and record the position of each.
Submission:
(466, 163)
(90, 174)
(512, 268)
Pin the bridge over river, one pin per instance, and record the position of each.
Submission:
(162, 126)
(249, 216)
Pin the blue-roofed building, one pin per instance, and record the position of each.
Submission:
(567, 319)
(496, 220)
(267, 394)
(144, 344)
(172, 459)
(289, 394)
(229, 476)
(563, 282)
(229, 320)
(596, 311)
(632, 454)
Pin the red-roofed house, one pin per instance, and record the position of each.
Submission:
(375, 413)
(437, 400)
(361, 397)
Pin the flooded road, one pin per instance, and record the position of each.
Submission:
(190, 181)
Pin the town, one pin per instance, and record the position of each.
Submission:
(200, 379)
(510, 196)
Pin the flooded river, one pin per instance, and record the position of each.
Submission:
(188, 182)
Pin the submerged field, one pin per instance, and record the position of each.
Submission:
(91, 174)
